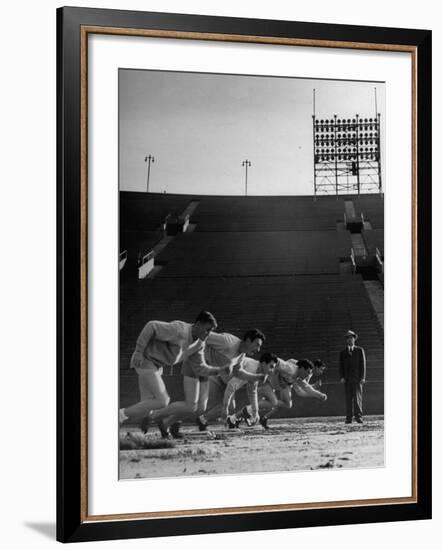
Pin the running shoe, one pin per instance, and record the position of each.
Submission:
(202, 426)
(144, 424)
(164, 431)
(175, 430)
(232, 422)
(264, 422)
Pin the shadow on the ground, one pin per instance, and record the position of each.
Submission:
(45, 529)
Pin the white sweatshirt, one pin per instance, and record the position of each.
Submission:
(163, 343)
(249, 366)
(223, 349)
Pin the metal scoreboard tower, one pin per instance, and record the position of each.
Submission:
(346, 155)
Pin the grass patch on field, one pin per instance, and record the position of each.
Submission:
(133, 441)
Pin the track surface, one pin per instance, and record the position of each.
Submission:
(291, 444)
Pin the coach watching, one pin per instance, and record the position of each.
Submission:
(353, 375)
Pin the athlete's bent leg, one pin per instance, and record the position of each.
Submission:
(153, 390)
(284, 401)
(179, 409)
(203, 397)
(201, 406)
(216, 390)
(268, 402)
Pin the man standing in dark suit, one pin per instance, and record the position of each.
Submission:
(353, 375)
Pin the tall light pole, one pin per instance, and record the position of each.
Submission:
(148, 159)
(246, 163)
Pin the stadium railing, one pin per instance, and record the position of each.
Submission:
(122, 259)
(146, 265)
(352, 257)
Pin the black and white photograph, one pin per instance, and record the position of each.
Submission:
(198, 201)
(251, 274)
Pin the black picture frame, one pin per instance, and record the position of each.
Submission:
(72, 525)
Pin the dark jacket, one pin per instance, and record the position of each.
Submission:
(353, 366)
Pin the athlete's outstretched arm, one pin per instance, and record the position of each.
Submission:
(252, 390)
(248, 376)
(200, 367)
(303, 389)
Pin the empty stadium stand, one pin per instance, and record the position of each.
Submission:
(254, 253)
(147, 211)
(136, 242)
(267, 262)
(374, 238)
(268, 213)
(372, 207)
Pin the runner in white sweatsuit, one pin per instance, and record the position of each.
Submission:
(161, 345)
(196, 373)
(223, 349)
(266, 365)
(290, 375)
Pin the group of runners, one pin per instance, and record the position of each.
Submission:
(215, 366)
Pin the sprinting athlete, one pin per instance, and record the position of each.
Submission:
(162, 345)
(316, 379)
(222, 349)
(291, 375)
(196, 373)
(266, 365)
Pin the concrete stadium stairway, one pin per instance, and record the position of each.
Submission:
(358, 245)
(377, 297)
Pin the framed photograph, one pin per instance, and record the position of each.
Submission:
(244, 274)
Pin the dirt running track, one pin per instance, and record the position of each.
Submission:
(291, 444)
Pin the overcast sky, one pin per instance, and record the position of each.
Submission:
(200, 127)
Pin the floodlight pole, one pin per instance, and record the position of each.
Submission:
(377, 121)
(246, 163)
(335, 155)
(357, 136)
(313, 142)
(148, 159)
(375, 100)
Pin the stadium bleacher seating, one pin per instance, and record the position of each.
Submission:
(266, 262)
(136, 242)
(372, 207)
(147, 211)
(374, 238)
(254, 253)
(268, 213)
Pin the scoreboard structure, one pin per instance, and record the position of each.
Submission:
(347, 156)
